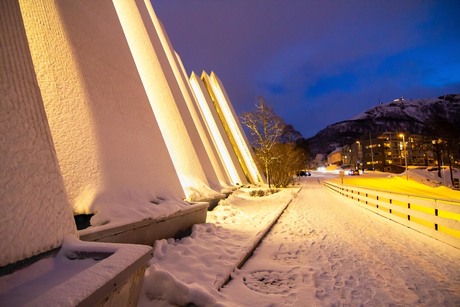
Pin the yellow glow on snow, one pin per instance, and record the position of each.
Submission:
(242, 149)
(401, 185)
(214, 130)
(411, 187)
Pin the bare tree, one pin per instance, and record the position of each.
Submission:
(289, 134)
(265, 128)
(447, 144)
(292, 159)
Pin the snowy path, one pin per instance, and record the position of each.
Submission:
(326, 251)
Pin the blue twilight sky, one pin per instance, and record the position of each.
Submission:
(318, 62)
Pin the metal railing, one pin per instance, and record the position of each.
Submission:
(438, 218)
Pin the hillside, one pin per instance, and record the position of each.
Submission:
(410, 116)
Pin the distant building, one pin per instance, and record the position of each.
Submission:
(372, 153)
(340, 156)
(335, 157)
(346, 155)
(386, 152)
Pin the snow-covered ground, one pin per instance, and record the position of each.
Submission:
(193, 268)
(322, 251)
(421, 183)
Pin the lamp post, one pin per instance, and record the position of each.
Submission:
(372, 151)
(438, 155)
(358, 160)
(405, 154)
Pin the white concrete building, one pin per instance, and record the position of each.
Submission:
(98, 117)
(232, 127)
(31, 186)
(227, 155)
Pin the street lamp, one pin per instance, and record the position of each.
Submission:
(359, 158)
(405, 154)
(438, 155)
(372, 152)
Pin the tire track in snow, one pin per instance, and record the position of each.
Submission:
(331, 252)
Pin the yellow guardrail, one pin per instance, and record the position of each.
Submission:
(438, 218)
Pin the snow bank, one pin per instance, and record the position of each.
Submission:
(429, 176)
(210, 254)
(419, 183)
(124, 209)
(174, 292)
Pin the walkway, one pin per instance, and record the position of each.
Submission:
(326, 251)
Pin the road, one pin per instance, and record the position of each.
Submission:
(326, 251)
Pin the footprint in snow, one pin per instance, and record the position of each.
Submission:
(270, 282)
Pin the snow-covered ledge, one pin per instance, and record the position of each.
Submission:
(148, 230)
(79, 274)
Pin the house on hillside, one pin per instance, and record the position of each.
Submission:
(335, 157)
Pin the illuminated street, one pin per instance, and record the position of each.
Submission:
(326, 251)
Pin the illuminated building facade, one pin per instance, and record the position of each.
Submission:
(232, 127)
(335, 157)
(227, 157)
(386, 152)
(143, 34)
(32, 190)
(98, 112)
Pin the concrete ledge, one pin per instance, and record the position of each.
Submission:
(82, 274)
(149, 230)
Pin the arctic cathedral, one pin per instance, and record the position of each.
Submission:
(101, 123)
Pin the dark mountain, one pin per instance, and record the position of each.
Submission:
(410, 116)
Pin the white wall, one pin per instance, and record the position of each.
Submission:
(35, 213)
(242, 148)
(96, 114)
(216, 129)
(178, 83)
(109, 146)
(199, 120)
(157, 76)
